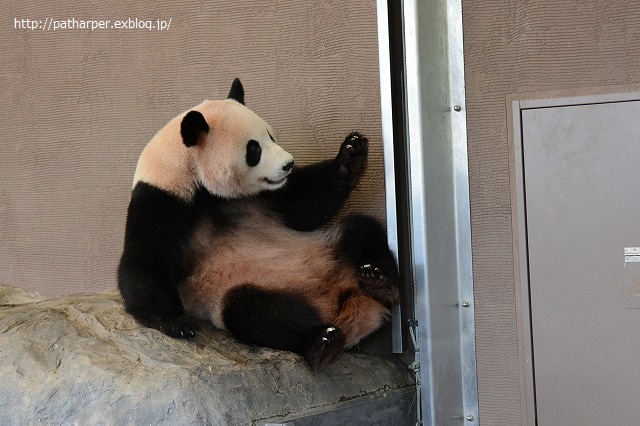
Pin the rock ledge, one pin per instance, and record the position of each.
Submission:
(82, 360)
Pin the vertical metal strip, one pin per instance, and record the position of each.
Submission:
(463, 212)
(437, 152)
(439, 208)
(417, 212)
(384, 58)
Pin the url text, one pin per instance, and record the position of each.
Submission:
(51, 24)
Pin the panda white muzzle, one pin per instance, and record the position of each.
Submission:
(286, 169)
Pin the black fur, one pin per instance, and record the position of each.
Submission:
(237, 91)
(314, 193)
(363, 244)
(281, 320)
(193, 126)
(152, 264)
(254, 153)
(268, 318)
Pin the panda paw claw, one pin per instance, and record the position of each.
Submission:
(378, 284)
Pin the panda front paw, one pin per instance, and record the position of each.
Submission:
(352, 159)
(378, 284)
(324, 347)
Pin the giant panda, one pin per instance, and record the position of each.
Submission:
(222, 227)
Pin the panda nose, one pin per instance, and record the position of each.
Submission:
(287, 166)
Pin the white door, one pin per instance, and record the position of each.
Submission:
(582, 198)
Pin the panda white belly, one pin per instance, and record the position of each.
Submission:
(262, 252)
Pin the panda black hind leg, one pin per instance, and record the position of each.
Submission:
(281, 320)
(363, 243)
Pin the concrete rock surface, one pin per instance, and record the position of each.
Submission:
(82, 360)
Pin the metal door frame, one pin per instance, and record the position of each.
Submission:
(516, 103)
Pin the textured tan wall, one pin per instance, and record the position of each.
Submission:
(78, 106)
(514, 46)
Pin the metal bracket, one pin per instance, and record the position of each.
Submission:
(631, 254)
(415, 367)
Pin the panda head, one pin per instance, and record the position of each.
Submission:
(220, 145)
(233, 151)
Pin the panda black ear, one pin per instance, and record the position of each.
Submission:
(237, 91)
(192, 127)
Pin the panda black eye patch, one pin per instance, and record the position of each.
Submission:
(254, 152)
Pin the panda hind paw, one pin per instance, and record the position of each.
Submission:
(324, 347)
(180, 327)
(378, 285)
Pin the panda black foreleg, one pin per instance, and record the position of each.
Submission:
(152, 264)
(281, 320)
(153, 304)
(315, 193)
(363, 244)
